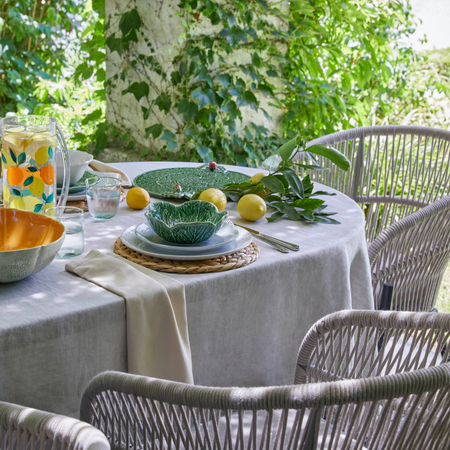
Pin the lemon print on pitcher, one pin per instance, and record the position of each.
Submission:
(28, 150)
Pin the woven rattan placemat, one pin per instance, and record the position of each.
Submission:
(237, 259)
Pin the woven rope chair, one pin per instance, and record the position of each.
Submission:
(394, 170)
(355, 344)
(398, 410)
(413, 254)
(396, 174)
(27, 428)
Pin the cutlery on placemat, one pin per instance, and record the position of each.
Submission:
(275, 245)
(272, 240)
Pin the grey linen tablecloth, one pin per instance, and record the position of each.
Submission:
(245, 326)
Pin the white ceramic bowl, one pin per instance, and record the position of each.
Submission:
(28, 243)
(78, 165)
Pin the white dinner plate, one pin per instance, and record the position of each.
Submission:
(130, 239)
(226, 234)
(76, 197)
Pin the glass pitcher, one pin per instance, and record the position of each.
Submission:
(28, 150)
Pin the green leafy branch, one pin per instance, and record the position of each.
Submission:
(284, 191)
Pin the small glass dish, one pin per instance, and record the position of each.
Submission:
(190, 223)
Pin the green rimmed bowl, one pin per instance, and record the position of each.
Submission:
(190, 223)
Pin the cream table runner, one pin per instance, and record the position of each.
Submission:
(157, 331)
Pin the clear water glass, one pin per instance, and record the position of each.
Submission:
(103, 197)
(72, 219)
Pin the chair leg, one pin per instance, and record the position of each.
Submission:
(385, 305)
(386, 297)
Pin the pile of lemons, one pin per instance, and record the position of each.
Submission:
(250, 207)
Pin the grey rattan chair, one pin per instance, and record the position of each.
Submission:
(413, 255)
(395, 172)
(398, 410)
(31, 429)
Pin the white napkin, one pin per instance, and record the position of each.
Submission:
(157, 331)
(99, 166)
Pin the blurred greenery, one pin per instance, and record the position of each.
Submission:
(330, 66)
(52, 62)
(443, 301)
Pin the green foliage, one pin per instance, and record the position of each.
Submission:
(52, 63)
(32, 48)
(77, 99)
(343, 69)
(284, 191)
(324, 64)
(208, 91)
(425, 97)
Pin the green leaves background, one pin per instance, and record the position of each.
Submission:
(289, 195)
(324, 64)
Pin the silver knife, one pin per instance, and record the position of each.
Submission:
(280, 248)
(271, 239)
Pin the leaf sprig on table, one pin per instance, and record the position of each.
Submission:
(285, 191)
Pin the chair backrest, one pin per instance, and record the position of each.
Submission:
(394, 170)
(31, 429)
(413, 254)
(407, 411)
(355, 344)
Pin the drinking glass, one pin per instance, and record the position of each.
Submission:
(72, 219)
(103, 197)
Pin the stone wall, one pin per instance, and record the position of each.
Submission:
(162, 27)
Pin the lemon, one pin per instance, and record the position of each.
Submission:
(17, 203)
(31, 202)
(6, 193)
(48, 206)
(41, 156)
(214, 196)
(256, 179)
(138, 198)
(37, 187)
(251, 207)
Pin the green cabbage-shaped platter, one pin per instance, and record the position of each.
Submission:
(190, 223)
(182, 182)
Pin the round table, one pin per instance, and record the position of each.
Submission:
(245, 325)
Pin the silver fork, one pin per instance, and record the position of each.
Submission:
(267, 241)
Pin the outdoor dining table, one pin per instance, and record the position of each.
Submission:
(57, 330)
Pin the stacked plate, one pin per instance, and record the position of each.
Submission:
(78, 190)
(227, 240)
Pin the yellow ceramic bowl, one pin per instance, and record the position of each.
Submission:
(28, 243)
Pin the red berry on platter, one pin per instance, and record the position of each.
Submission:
(212, 165)
(177, 187)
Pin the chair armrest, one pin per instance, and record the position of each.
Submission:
(22, 427)
(343, 345)
(140, 412)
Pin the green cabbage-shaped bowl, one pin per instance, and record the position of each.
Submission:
(190, 223)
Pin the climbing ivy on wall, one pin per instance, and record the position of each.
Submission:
(218, 75)
(314, 66)
(236, 67)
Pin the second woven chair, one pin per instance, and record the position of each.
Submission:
(400, 175)
(31, 429)
(360, 391)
